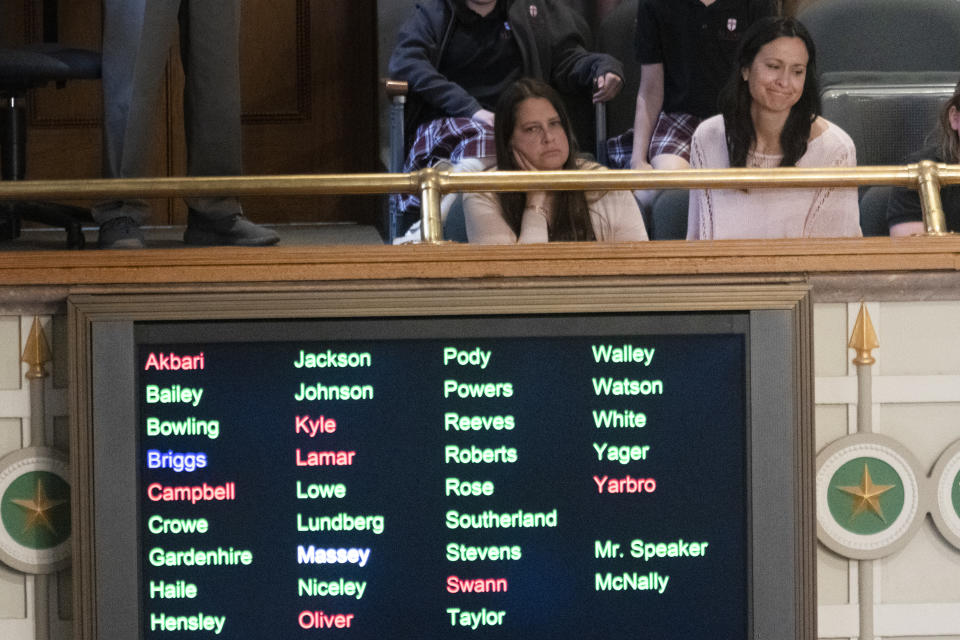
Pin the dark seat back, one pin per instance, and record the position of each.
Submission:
(887, 121)
(885, 35)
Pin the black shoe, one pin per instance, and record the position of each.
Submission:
(120, 233)
(233, 230)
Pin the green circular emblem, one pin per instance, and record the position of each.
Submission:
(869, 497)
(34, 510)
(865, 495)
(956, 494)
(946, 480)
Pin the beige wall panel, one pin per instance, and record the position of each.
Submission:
(13, 593)
(11, 435)
(830, 339)
(831, 423)
(926, 570)
(917, 338)
(833, 574)
(926, 429)
(10, 352)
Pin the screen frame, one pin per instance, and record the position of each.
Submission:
(781, 545)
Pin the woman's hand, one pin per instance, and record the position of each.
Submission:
(540, 201)
(522, 161)
(535, 199)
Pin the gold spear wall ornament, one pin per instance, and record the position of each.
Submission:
(863, 339)
(37, 352)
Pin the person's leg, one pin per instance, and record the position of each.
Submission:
(210, 50)
(136, 39)
(669, 149)
(663, 162)
(669, 162)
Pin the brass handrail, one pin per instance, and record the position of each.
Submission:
(283, 185)
(431, 184)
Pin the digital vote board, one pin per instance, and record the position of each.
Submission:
(574, 476)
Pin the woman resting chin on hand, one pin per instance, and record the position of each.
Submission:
(533, 133)
(770, 118)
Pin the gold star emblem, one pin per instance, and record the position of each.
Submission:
(39, 509)
(867, 495)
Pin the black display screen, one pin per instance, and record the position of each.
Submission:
(579, 477)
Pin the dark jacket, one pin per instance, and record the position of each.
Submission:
(552, 44)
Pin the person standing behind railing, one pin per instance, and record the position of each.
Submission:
(904, 214)
(533, 133)
(137, 35)
(770, 118)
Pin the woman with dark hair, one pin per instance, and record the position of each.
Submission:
(459, 55)
(533, 133)
(904, 214)
(770, 117)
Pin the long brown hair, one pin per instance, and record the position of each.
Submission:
(949, 140)
(571, 219)
(735, 98)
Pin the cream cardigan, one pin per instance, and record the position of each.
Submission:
(772, 213)
(614, 215)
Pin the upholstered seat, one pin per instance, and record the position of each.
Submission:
(40, 64)
(22, 69)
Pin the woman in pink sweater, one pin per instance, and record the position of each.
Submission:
(770, 118)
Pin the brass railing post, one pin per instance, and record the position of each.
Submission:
(431, 224)
(934, 221)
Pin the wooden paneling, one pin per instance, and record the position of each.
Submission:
(309, 102)
(432, 264)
